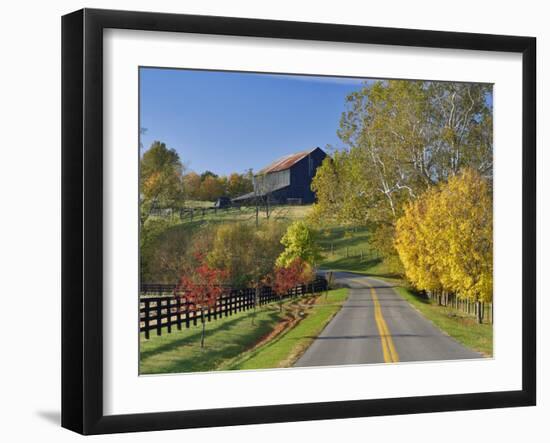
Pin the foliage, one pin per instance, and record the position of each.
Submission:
(164, 251)
(445, 238)
(192, 185)
(209, 186)
(200, 286)
(401, 138)
(246, 253)
(161, 183)
(288, 276)
(239, 184)
(167, 248)
(300, 243)
(207, 174)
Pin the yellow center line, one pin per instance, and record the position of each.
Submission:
(388, 347)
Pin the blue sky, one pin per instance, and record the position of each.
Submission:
(229, 122)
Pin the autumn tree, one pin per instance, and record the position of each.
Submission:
(287, 277)
(445, 238)
(238, 184)
(161, 182)
(246, 254)
(192, 186)
(200, 287)
(211, 188)
(300, 243)
(401, 137)
(165, 251)
(231, 251)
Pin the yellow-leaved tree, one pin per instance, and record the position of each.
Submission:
(445, 238)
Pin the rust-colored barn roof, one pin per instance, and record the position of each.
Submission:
(285, 162)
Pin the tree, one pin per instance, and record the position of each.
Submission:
(300, 243)
(161, 182)
(288, 277)
(402, 137)
(238, 184)
(211, 188)
(165, 251)
(192, 186)
(246, 254)
(201, 287)
(231, 252)
(207, 173)
(445, 238)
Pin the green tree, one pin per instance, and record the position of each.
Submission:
(402, 137)
(207, 173)
(161, 183)
(300, 242)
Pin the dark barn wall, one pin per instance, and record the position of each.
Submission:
(301, 175)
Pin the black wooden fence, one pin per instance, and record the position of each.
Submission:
(165, 311)
(192, 213)
(481, 310)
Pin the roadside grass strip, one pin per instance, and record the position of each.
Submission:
(285, 349)
(243, 341)
(463, 328)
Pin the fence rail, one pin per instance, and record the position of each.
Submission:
(164, 311)
(483, 310)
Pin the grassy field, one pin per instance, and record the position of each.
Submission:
(343, 248)
(243, 214)
(199, 204)
(349, 249)
(285, 349)
(461, 327)
(230, 339)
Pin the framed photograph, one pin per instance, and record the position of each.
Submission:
(268, 221)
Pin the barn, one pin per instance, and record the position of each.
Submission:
(286, 180)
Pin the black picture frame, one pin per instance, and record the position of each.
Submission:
(82, 218)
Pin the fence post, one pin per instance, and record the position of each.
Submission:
(169, 316)
(159, 323)
(178, 310)
(147, 307)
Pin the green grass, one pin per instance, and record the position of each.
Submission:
(349, 249)
(244, 214)
(461, 327)
(234, 339)
(285, 349)
(199, 204)
(226, 338)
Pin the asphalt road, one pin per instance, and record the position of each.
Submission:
(376, 325)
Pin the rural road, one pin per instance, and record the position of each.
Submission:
(376, 325)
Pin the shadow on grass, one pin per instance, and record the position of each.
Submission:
(226, 341)
(338, 239)
(362, 267)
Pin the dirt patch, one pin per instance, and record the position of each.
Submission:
(295, 312)
(290, 321)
